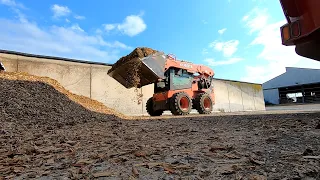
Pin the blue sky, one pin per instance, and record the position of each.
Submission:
(239, 40)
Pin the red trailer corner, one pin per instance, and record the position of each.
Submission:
(303, 27)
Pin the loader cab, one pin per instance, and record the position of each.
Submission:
(163, 85)
(175, 79)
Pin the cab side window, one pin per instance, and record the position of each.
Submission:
(178, 72)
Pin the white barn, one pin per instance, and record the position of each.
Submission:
(297, 85)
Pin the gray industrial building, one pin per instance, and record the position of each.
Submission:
(296, 85)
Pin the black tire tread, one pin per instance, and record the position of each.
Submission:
(149, 108)
(199, 107)
(174, 104)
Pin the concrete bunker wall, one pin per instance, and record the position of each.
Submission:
(91, 80)
(234, 96)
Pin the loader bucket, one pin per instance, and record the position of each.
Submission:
(139, 72)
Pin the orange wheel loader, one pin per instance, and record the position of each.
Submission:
(179, 86)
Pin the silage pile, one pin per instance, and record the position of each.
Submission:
(32, 111)
(133, 75)
(25, 97)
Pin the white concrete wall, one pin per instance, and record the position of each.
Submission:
(222, 102)
(271, 95)
(74, 78)
(234, 96)
(248, 98)
(110, 92)
(88, 80)
(259, 98)
(92, 80)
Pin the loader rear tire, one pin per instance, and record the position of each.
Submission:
(150, 110)
(180, 104)
(203, 103)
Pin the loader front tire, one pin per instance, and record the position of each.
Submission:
(203, 103)
(180, 104)
(150, 110)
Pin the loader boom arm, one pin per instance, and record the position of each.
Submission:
(153, 68)
(190, 67)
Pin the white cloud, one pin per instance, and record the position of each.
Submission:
(79, 17)
(228, 48)
(204, 51)
(274, 57)
(245, 18)
(67, 20)
(109, 27)
(120, 45)
(256, 19)
(12, 3)
(64, 11)
(131, 26)
(98, 31)
(212, 62)
(16, 7)
(60, 11)
(76, 27)
(204, 22)
(70, 42)
(221, 31)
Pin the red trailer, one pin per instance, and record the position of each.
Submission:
(303, 27)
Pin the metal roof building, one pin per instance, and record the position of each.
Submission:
(296, 85)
